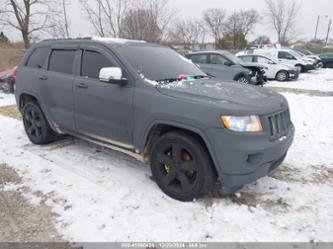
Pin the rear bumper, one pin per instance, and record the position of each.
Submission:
(243, 158)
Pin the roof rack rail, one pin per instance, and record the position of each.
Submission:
(68, 39)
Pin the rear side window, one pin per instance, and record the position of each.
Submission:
(62, 61)
(92, 63)
(261, 59)
(218, 59)
(38, 57)
(199, 59)
(247, 58)
(286, 55)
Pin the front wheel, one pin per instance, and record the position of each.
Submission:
(36, 126)
(282, 76)
(181, 166)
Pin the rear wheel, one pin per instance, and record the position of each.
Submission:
(282, 76)
(36, 126)
(181, 166)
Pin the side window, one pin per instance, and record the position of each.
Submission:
(62, 61)
(286, 55)
(247, 58)
(38, 57)
(92, 63)
(199, 58)
(261, 59)
(218, 59)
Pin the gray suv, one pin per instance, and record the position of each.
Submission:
(151, 103)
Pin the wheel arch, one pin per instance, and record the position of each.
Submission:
(25, 97)
(241, 74)
(157, 129)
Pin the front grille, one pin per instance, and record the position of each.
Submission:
(279, 123)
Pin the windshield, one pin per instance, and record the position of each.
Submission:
(299, 53)
(295, 54)
(158, 63)
(234, 59)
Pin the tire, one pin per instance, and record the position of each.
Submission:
(243, 79)
(181, 166)
(282, 76)
(36, 126)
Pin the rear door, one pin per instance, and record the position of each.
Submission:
(57, 85)
(103, 111)
(222, 68)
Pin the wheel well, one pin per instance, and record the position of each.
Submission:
(26, 98)
(240, 75)
(159, 130)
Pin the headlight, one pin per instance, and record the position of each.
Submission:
(242, 124)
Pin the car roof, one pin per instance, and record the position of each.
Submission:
(104, 40)
(209, 52)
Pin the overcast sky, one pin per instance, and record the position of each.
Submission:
(193, 8)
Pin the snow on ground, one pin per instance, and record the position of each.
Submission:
(321, 80)
(102, 195)
(6, 99)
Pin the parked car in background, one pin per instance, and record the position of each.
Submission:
(129, 96)
(318, 62)
(226, 66)
(327, 60)
(275, 69)
(286, 56)
(7, 80)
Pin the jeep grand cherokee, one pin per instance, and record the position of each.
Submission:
(151, 103)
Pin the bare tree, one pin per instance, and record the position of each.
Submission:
(29, 16)
(105, 15)
(282, 16)
(214, 19)
(240, 23)
(188, 32)
(147, 20)
(61, 22)
(139, 24)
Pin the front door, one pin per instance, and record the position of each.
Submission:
(102, 110)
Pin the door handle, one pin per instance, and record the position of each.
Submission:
(82, 86)
(43, 77)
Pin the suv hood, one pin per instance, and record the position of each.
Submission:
(234, 97)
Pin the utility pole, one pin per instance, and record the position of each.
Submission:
(315, 37)
(328, 32)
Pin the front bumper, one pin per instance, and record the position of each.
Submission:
(243, 158)
(293, 74)
(310, 67)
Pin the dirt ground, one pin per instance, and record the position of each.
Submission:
(20, 220)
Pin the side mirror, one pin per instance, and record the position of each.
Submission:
(228, 63)
(112, 75)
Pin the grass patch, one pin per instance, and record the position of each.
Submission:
(11, 111)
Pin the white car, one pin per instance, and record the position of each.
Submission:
(285, 56)
(275, 69)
